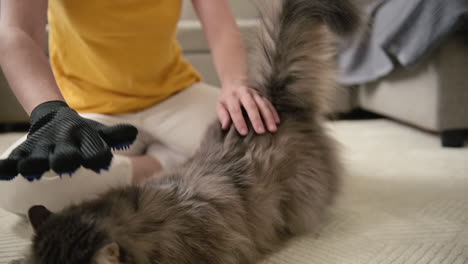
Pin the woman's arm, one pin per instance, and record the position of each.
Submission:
(54, 145)
(22, 52)
(230, 59)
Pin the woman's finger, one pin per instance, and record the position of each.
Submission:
(273, 110)
(266, 112)
(253, 112)
(234, 108)
(223, 116)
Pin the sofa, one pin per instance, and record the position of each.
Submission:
(432, 95)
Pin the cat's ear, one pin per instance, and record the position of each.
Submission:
(108, 254)
(38, 214)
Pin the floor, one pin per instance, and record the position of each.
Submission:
(405, 201)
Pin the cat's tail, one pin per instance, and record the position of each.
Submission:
(292, 55)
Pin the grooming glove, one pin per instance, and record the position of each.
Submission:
(61, 140)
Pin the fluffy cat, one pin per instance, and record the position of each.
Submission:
(238, 198)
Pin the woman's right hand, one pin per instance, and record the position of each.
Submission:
(61, 140)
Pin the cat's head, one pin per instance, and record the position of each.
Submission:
(155, 224)
(70, 239)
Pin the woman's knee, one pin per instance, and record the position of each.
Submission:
(56, 192)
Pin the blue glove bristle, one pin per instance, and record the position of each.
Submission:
(7, 177)
(123, 146)
(32, 177)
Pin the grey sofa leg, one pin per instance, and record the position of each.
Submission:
(453, 138)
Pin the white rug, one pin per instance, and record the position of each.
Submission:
(405, 201)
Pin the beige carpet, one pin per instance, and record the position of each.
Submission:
(405, 201)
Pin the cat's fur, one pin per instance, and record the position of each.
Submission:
(238, 198)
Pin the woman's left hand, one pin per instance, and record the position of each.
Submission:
(260, 111)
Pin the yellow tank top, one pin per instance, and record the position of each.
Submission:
(117, 56)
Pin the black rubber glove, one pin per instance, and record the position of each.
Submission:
(61, 140)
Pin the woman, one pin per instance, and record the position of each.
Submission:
(113, 62)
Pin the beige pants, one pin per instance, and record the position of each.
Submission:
(170, 131)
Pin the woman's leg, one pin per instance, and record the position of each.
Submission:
(143, 165)
(55, 192)
(168, 134)
(181, 121)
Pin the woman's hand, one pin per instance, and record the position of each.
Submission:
(229, 57)
(260, 111)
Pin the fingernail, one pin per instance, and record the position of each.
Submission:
(261, 130)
